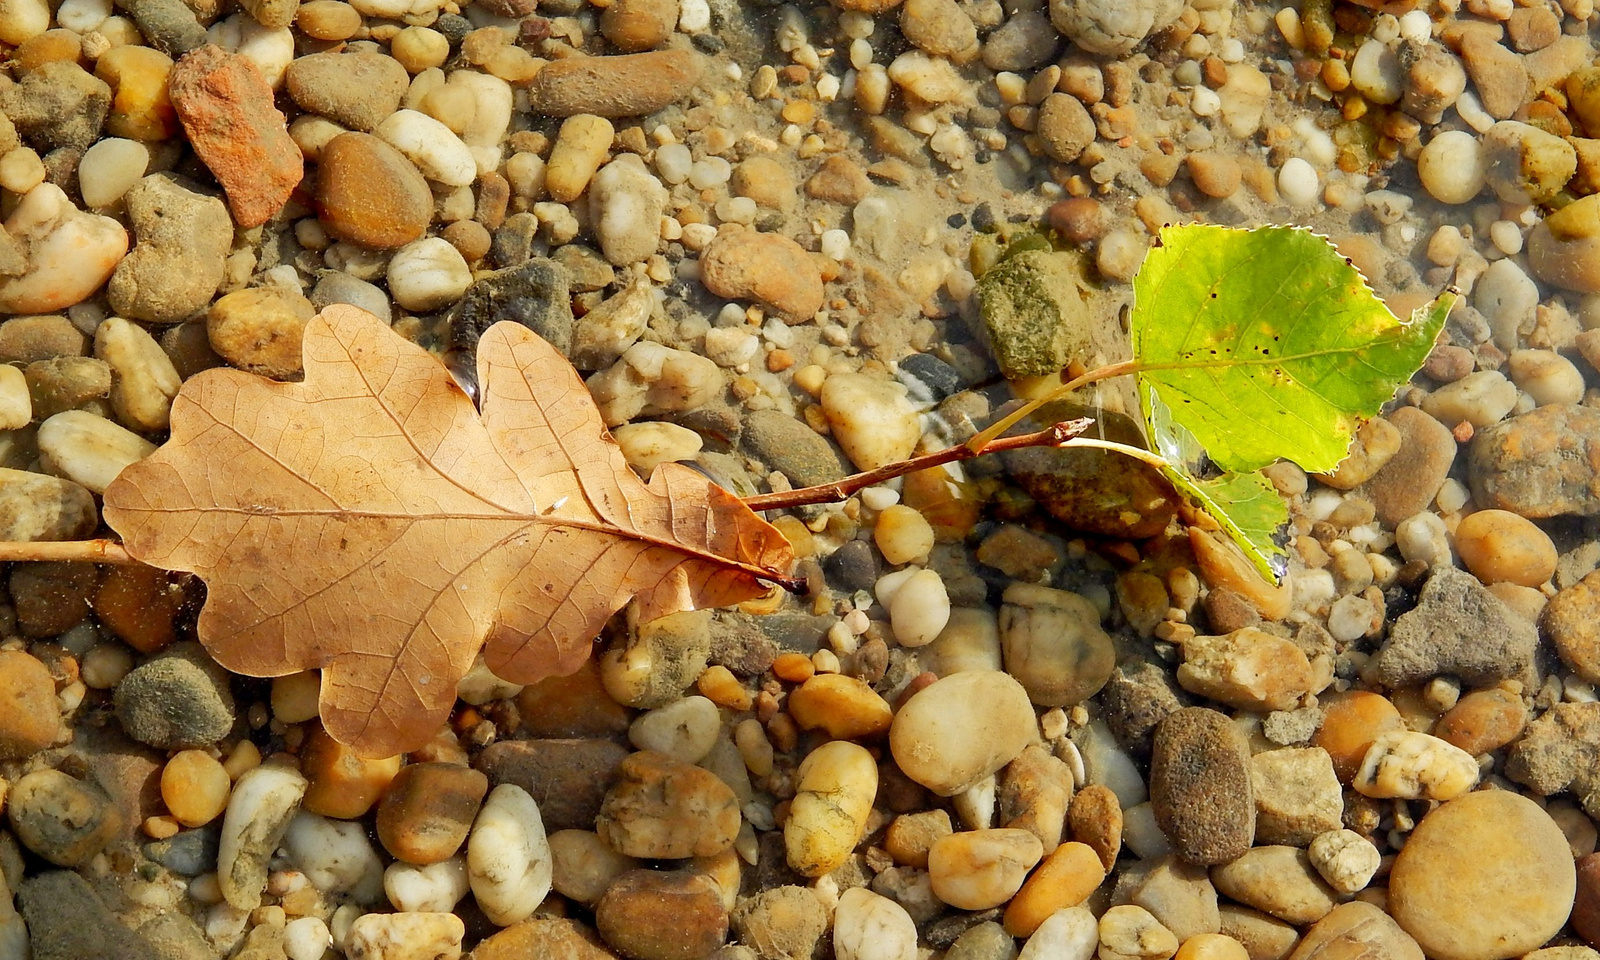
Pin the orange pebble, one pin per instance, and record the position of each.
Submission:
(1350, 722)
(194, 787)
(1066, 878)
(793, 667)
(722, 688)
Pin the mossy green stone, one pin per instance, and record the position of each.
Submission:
(1034, 313)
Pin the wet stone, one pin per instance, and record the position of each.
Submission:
(534, 294)
(59, 104)
(1457, 627)
(663, 915)
(176, 702)
(427, 810)
(1200, 786)
(1561, 751)
(29, 717)
(1409, 480)
(793, 449)
(63, 820)
(67, 921)
(1572, 622)
(1544, 463)
(665, 809)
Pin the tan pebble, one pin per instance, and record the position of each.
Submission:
(764, 180)
(836, 786)
(1497, 545)
(1212, 946)
(793, 667)
(580, 149)
(766, 267)
(294, 696)
(1214, 174)
(634, 26)
(962, 728)
(1224, 565)
(1483, 721)
(1249, 669)
(1035, 791)
(911, 835)
(1277, 880)
(1375, 443)
(1128, 932)
(427, 810)
(583, 867)
(1350, 723)
(1065, 127)
(327, 20)
(343, 784)
(845, 707)
(260, 330)
(1357, 929)
(1066, 878)
(1413, 766)
(1345, 859)
(194, 787)
(419, 48)
(572, 706)
(661, 808)
(1486, 876)
(29, 716)
(662, 915)
(1264, 937)
(979, 869)
(903, 535)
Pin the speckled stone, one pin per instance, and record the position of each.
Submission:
(1200, 786)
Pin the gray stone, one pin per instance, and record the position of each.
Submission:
(852, 567)
(26, 340)
(188, 853)
(169, 25)
(1112, 27)
(1023, 42)
(983, 941)
(66, 921)
(1457, 627)
(1561, 751)
(179, 258)
(792, 448)
(335, 286)
(58, 104)
(178, 701)
(534, 294)
(66, 383)
(1139, 696)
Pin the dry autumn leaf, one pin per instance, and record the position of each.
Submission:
(370, 522)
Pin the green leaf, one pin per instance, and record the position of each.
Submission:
(1246, 504)
(1268, 344)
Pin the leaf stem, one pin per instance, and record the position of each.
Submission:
(1058, 435)
(994, 430)
(85, 551)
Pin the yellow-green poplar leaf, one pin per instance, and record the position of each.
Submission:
(1268, 344)
(1246, 505)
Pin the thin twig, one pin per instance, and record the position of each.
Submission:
(86, 551)
(1053, 436)
(989, 435)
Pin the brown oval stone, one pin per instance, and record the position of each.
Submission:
(627, 86)
(663, 915)
(1484, 877)
(1357, 929)
(369, 193)
(567, 778)
(575, 705)
(428, 809)
(1200, 786)
(29, 717)
(1586, 907)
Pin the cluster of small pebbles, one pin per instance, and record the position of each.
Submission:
(1020, 710)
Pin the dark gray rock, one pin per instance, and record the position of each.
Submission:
(852, 567)
(67, 921)
(513, 243)
(1138, 696)
(169, 25)
(1200, 786)
(929, 378)
(1457, 627)
(792, 448)
(534, 294)
(189, 853)
(176, 702)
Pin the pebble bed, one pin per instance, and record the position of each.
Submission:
(1021, 710)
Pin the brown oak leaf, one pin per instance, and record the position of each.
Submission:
(370, 522)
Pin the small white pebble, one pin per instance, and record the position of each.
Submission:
(835, 244)
(1297, 182)
(1506, 237)
(1205, 102)
(306, 938)
(1416, 26)
(879, 498)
